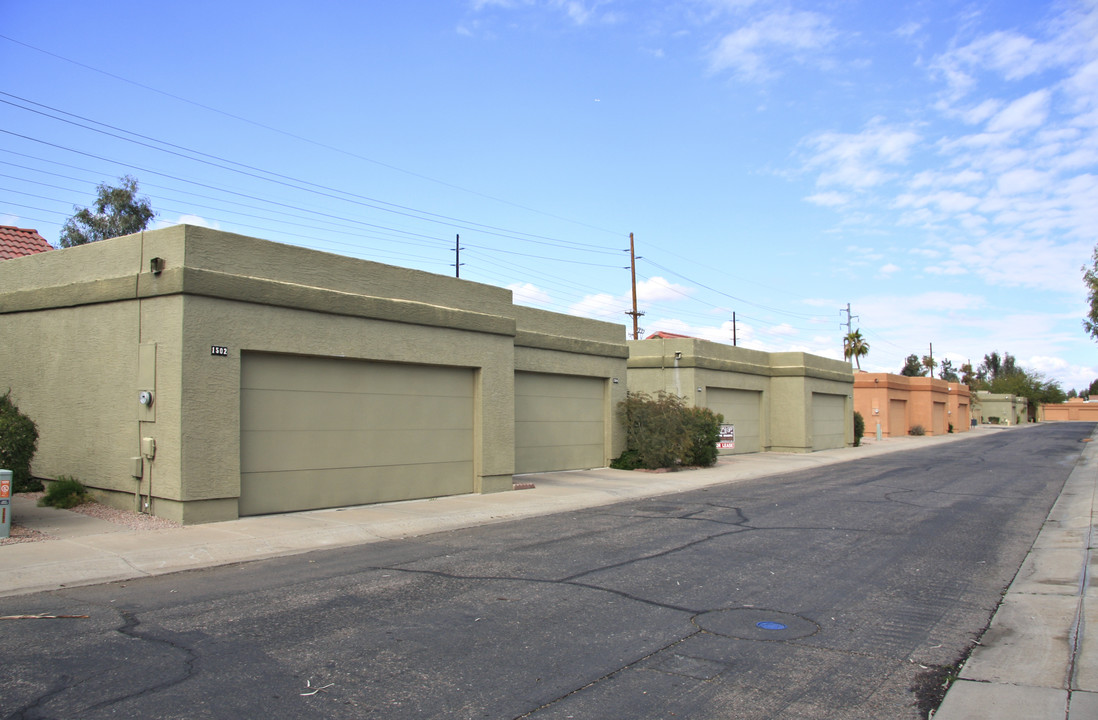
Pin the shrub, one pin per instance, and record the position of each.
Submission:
(18, 441)
(661, 432)
(64, 493)
(654, 429)
(951, 427)
(993, 421)
(704, 428)
(628, 460)
(917, 430)
(859, 428)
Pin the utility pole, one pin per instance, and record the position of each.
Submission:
(457, 256)
(733, 328)
(633, 269)
(849, 322)
(931, 359)
(849, 318)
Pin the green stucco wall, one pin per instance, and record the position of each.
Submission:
(83, 325)
(690, 367)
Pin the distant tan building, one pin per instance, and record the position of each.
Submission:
(898, 403)
(1075, 409)
(1000, 408)
(785, 402)
(202, 376)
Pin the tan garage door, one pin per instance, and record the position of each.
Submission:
(328, 432)
(938, 418)
(560, 422)
(897, 418)
(828, 421)
(742, 408)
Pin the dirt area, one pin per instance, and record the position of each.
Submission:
(127, 518)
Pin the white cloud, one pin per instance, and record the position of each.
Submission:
(829, 199)
(602, 306)
(1023, 180)
(658, 289)
(860, 160)
(1025, 113)
(749, 50)
(1077, 377)
(529, 294)
(889, 269)
(188, 220)
(908, 29)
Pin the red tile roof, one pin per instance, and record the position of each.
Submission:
(668, 336)
(17, 242)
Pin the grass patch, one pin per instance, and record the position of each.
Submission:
(64, 493)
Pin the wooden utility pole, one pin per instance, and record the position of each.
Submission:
(733, 329)
(633, 269)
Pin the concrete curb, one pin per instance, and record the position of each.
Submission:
(1036, 661)
(90, 551)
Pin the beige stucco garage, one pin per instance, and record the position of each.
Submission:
(281, 378)
(787, 402)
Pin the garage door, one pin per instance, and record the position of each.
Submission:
(897, 418)
(828, 421)
(742, 408)
(328, 432)
(938, 418)
(560, 422)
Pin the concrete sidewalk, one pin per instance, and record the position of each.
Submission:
(1035, 662)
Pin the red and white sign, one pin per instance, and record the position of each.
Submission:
(727, 439)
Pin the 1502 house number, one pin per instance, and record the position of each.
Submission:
(219, 350)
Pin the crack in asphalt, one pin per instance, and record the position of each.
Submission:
(607, 676)
(129, 629)
(739, 526)
(21, 713)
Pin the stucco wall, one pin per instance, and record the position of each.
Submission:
(690, 368)
(548, 342)
(1075, 409)
(930, 403)
(1006, 409)
(76, 322)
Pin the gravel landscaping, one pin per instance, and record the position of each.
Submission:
(127, 518)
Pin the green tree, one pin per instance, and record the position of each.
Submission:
(912, 367)
(947, 372)
(118, 211)
(1090, 279)
(929, 363)
(968, 375)
(855, 346)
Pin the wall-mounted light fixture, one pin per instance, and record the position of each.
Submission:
(678, 355)
(156, 265)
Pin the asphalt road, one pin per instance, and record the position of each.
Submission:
(844, 592)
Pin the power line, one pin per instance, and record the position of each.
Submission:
(305, 139)
(294, 183)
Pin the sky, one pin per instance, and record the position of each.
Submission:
(930, 165)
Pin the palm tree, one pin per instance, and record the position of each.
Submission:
(855, 346)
